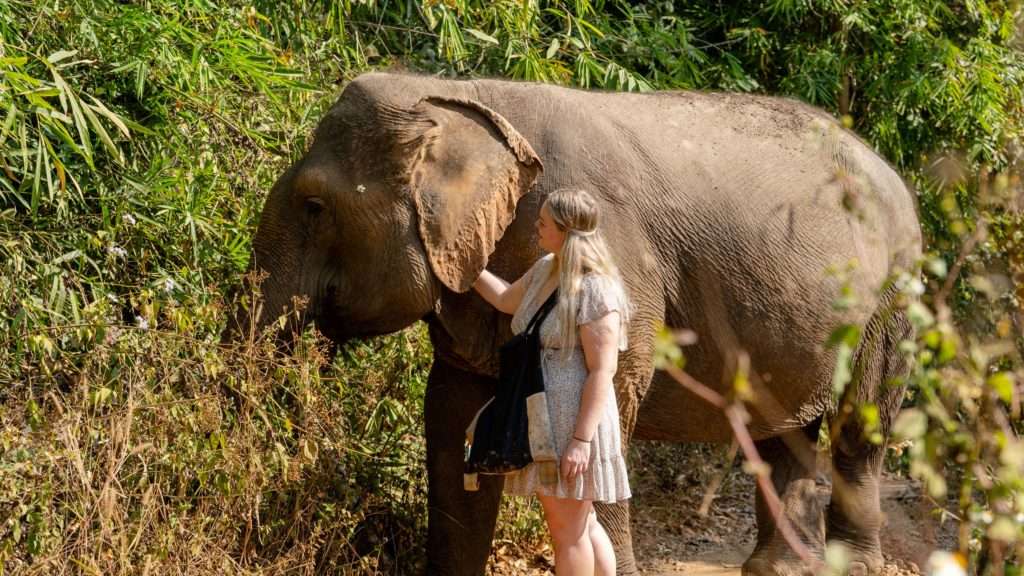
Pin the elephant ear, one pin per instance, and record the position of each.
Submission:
(469, 169)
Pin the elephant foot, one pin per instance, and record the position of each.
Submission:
(793, 476)
(773, 555)
(858, 568)
(865, 559)
(862, 543)
(775, 561)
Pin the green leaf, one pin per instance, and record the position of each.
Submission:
(18, 61)
(482, 36)
(843, 372)
(1002, 383)
(34, 415)
(666, 349)
(848, 334)
(101, 395)
(66, 257)
(947, 348)
(60, 55)
(100, 131)
(76, 109)
(553, 48)
(114, 118)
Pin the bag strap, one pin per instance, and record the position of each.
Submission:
(542, 312)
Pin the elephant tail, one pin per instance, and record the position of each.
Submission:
(879, 369)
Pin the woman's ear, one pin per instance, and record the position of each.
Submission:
(469, 169)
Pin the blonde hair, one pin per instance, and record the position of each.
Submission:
(576, 213)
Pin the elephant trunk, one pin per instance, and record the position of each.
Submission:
(261, 302)
(273, 286)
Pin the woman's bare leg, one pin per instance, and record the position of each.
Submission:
(604, 554)
(568, 522)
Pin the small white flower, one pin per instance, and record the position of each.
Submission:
(142, 323)
(117, 251)
(128, 219)
(112, 297)
(361, 189)
(169, 285)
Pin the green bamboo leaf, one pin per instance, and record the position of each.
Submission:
(98, 106)
(553, 48)
(80, 122)
(479, 35)
(51, 190)
(37, 179)
(43, 93)
(18, 77)
(37, 101)
(597, 31)
(60, 55)
(56, 115)
(102, 133)
(61, 131)
(12, 114)
(141, 72)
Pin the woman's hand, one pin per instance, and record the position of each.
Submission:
(576, 459)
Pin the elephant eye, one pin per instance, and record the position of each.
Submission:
(313, 205)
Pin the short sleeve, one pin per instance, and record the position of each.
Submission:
(528, 276)
(599, 295)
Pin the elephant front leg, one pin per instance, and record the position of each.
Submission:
(793, 460)
(460, 524)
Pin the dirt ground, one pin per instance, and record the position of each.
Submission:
(670, 538)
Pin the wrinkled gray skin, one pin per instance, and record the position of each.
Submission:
(723, 212)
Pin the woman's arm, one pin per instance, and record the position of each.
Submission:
(600, 341)
(500, 294)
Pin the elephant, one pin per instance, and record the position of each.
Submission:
(725, 213)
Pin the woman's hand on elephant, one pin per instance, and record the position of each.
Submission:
(576, 458)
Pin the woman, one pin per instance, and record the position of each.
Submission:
(581, 339)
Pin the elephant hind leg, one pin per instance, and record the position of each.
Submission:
(614, 518)
(854, 516)
(793, 461)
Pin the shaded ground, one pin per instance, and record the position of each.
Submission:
(671, 538)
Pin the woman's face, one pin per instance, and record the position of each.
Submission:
(549, 237)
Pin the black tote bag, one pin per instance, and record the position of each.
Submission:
(501, 432)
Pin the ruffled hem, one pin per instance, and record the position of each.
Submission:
(605, 481)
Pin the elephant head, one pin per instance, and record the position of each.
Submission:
(401, 196)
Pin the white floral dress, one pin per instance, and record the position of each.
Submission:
(606, 479)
